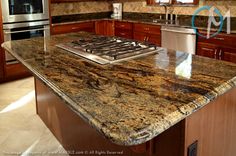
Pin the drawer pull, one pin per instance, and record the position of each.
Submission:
(219, 38)
(73, 28)
(220, 54)
(123, 34)
(145, 38)
(215, 54)
(147, 29)
(122, 25)
(208, 49)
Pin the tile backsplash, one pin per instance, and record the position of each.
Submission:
(58, 9)
(139, 6)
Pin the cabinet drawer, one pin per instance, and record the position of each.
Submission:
(207, 50)
(123, 33)
(67, 28)
(220, 39)
(155, 39)
(123, 25)
(153, 29)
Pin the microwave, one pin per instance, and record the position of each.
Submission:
(24, 10)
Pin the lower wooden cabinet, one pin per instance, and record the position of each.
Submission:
(124, 29)
(15, 71)
(75, 27)
(124, 33)
(105, 27)
(228, 54)
(221, 46)
(146, 37)
(2, 65)
(217, 51)
(207, 50)
(147, 33)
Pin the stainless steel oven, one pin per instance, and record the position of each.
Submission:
(24, 10)
(18, 31)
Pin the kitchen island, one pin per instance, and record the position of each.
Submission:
(154, 105)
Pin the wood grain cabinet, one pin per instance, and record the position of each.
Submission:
(75, 27)
(147, 33)
(220, 47)
(124, 29)
(105, 27)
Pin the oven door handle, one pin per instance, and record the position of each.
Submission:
(13, 32)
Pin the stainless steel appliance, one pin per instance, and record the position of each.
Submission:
(176, 38)
(117, 10)
(24, 19)
(24, 10)
(105, 50)
(17, 31)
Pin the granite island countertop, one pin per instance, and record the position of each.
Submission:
(129, 102)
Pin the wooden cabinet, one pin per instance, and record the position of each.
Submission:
(105, 27)
(124, 29)
(220, 47)
(207, 50)
(147, 33)
(15, 71)
(228, 54)
(75, 27)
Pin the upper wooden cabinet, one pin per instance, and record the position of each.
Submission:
(173, 2)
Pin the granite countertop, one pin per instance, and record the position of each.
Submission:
(129, 102)
(183, 21)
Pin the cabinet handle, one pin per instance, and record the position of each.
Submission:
(73, 28)
(219, 38)
(145, 38)
(122, 34)
(215, 54)
(147, 29)
(208, 49)
(220, 54)
(122, 25)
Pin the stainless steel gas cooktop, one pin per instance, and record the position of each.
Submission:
(105, 50)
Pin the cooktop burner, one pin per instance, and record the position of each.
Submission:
(104, 50)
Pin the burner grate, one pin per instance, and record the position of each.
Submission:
(105, 50)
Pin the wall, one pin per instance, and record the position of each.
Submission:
(79, 7)
(141, 6)
(135, 6)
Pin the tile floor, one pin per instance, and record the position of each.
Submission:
(21, 131)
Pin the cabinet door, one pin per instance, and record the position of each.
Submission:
(207, 50)
(123, 33)
(147, 28)
(110, 28)
(140, 36)
(228, 54)
(155, 39)
(100, 27)
(2, 64)
(67, 28)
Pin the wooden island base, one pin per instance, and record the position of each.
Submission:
(213, 127)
